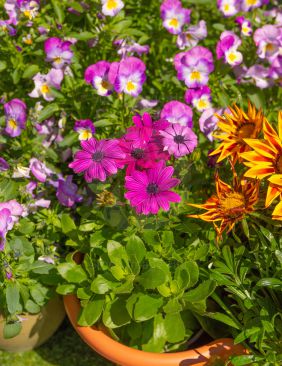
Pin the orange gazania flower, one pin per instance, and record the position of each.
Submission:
(230, 204)
(266, 159)
(235, 127)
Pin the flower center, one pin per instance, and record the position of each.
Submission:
(12, 124)
(137, 153)
(179, 139)
(278, 164)
(27, 13)
(85, 135)
(111, 4)
(232, 203)
(130, 86)
(58, 60)
(251, 2)
(232, 57)
(226, 7)
(173, 22)
(270, 47)
(152, 188)
(202, 104)
(195, 75)
(246, 130)
(105, 84)
(45, 89)
(98, 156)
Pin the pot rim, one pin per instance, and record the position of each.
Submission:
(124, 355)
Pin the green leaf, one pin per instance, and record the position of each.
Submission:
(58, 11)
(13, 298)
(136, 248)
(201, 292)
(117, 253)
(172, 306)
(242, 360)
(246, 333)
(65, 289)
(48, 111)
(76, 6)
(68, 226)
(26, 226)
(41, 267)
(72, 272)
(83, 36)
(146, 307)
(11, 330)
(152, 278)
(187, 275)
(223, 319)
(91, 312)
(175, 328)
(270, 282)
(119, 313)
(3, 65)
(157, 341)
(31, 307)
(30, 71)
(101, 285)
(89, 265)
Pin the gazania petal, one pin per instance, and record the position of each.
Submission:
(272, 193)
(276, 179)
(259, 172)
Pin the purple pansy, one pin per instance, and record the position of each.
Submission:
(44, 83)
(130, 76)
(228, 7)
(99, 76)
(200, 98)
(12, 10)
(85, 129)
(247, 5)
(275, 71)
(3, 165)
(39, 170)
(227, 47)
(6, 27)
(15, 113)
(208, 122)
(29, 8)
(5, 222)
(16, 210)
(268, 39)
(174, 16)
(111, 7)
(150, 190)
(58, 52)
(128, 48)
(194, 66)
(177, 112)
(30, 187)
(260, 75)
(98, 159)
(178, 140)
(245, 26)
(67, 192)
(192, 36)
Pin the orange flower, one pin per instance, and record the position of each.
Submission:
(235, 127)
(266, 160)
(230, 204)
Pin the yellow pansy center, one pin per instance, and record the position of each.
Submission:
(27, 40)
(195, 75)
(45, 89)
(112, 4)
(202, 104)
(232, 57)
(246, 130)
(173, 22)
(12, 124)
(269, 47)
(27, 13)
(278, 164)
(251, 2)
(232, 201)
(58, 60)
(130, 86)
(105, 84)
(85, 135)
(245, 29)
(226, 7)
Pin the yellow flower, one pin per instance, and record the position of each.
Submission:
(230, 204)
(234, 128)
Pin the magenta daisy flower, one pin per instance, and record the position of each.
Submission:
(179, 140)
(98, 159)
(149, 191)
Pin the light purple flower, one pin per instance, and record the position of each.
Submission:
(146, 103)
(39, 170)
(228, 7)
(130, 76)
(67, 192)
(126, 48)
(3, 165)
(5, 223)
(268, 39)
(44, 83)
(111, 7)
(208, 122)
(85, 128)
(227, 47)
(15, 113)
(58, 52)
(174, 16)
(150, 190)
(275, 71)
(47, 259)
(12, 10)
(29, 8)
(247, 5)
(245, 26)
(194, 66)
(43, 30)
(260, 75)
(15, 211)
(200, 98)
(98, 159)
(99, 76)
(178, 140)
(39, 203)
(6, 27)
(177, 112)
(30, 187)
(21, 172)
(192, 36)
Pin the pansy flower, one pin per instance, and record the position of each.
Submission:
(112, 7)
(58, 52)
(260, 76)
(245, 26)
(268, 39)
(3, 165)
(130, 76)
(5, 221)
(99, 76)
(12, 9)
(194, 66)
(200, 98)
(39, 170)
(29, 8)
(16, 210)
(174, 16)
(228, 7)
(44, 83)
(208, 122)
(67, 192)
(248, 5)
(7, 28)
(15, 113)
(227, 48)
(85, 128)
(192, 36)
(177, 112)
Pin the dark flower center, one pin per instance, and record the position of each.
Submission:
(98, 156)
(137, 153)
(246, 130)
(278, 164)
(179, 139)
(152, 188)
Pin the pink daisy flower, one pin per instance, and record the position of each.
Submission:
(149, 191)
(98, 159)
(179, 140)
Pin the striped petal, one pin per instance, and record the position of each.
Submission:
(261, 147)
(259, 172)
(272, 193)
(276, 179)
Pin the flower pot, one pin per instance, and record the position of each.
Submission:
(36, 329)
(126, 356)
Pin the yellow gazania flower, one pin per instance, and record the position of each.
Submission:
(234, 128)
(230, 204)
(266, 159)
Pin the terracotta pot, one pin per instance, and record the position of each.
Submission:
(36, 329)
(126, 356)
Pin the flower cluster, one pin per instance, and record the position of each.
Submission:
(232, 7)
